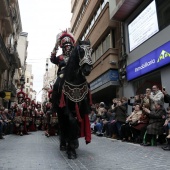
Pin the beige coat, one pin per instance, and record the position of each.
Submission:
(135, 116)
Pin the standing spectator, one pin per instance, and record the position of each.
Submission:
(156, 96)
(146, 99)
(156, 121)
(136, 100)
(125, 103)
(166, 96)
(114, 103)
(106, 122)
(120, 117)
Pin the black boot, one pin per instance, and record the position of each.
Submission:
(63, 145)
(71, 153)
(167, 148)
(1, 137)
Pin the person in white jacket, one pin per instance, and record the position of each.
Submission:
(155, 96)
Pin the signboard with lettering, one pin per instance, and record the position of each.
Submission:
(111, 75)
(7, 95)
(151, 61)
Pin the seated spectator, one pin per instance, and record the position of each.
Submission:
(167, 126)
(99, 122)
(5, 121)
(131, 120)
(92, 118)
(1, 125)
(138, 130)
(156, 121)
(101, 108)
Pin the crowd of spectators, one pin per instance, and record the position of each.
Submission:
(148, 123)
(19, 120)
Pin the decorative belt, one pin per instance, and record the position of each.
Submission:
(75, 93)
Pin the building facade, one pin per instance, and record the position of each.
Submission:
(91, 20)
(49, 79)
(147, 39)
(10, 28)
(28, 87)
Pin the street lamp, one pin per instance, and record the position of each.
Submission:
(22, 81)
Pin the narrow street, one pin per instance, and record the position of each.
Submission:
(37, 152)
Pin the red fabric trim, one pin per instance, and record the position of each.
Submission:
(85, 129)
(62, 101)
(90, 98)
(78, 113)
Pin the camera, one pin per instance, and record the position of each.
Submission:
(163, 88)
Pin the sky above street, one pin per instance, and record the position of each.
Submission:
(43, 20)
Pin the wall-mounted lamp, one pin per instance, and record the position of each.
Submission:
(113, 62)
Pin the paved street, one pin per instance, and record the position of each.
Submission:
(37, 152)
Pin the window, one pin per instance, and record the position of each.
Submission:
(27, 80)
(108, 42)
(93, 57)
(97, 13)
(104, 46)
(99, 52)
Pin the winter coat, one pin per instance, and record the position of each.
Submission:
(120, 113)
(155, 126)
(154, 97)
(167, 98)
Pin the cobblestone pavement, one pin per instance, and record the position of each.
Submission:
(37, 152)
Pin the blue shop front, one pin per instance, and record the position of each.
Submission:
(104, 87)
(150, 69)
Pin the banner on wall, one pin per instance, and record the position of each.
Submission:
(150, 62)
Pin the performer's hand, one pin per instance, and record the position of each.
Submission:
(61, 57)
(53, 54)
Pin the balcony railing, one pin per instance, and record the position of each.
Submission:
(4, 50)
(9, 86)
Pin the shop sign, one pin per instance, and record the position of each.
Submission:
(150, 62)
(7, 95)
(111, 75)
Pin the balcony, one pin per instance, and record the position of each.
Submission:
(73, 3)
(15, 57)
(121, 9)
(5, 58)
(9, 86)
